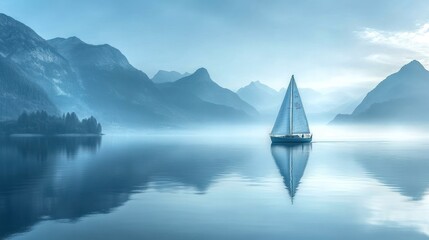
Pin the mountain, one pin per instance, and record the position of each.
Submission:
(202, 86)
(319, 107)
(400, 98)
(38, 62)
(190, 110)
(98, 80)
(120, 93)
(260, 96)
(324, 106)
(266, 99)
(112, 87)
(168, 76)
(88, 79)
(18, 94)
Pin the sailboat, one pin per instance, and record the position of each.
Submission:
(291, 125)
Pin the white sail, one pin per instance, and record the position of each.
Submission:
(299, 119)
(291, 118)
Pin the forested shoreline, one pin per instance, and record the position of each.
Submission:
(40, 122)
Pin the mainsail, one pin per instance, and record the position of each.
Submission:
(291, 118)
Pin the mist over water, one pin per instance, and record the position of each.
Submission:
(321, 132)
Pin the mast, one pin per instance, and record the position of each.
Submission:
(291, 106)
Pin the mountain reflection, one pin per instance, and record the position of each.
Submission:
(27, 170)
(36, 183)
(43, 147)
(291, 161)
(400, 166)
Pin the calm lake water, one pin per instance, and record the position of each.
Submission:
(194, 188)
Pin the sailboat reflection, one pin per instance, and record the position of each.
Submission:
(291, 161)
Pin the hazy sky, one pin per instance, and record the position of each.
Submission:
(324, 43)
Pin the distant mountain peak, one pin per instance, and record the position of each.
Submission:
(79, 52)
(70, 41)
(259, 96)
(163, 76)
(164, 71)
(413, 66)
(202, 71)
(74, 39)
(401, 97)
(201, 74)
(257, 83)
(202, 86)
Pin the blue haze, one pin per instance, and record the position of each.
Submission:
(238, 41)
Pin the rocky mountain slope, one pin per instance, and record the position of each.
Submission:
(202, 86)
(400, 98)
(18, 94)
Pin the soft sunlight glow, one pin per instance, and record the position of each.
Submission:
(369, 133)
(416, 41)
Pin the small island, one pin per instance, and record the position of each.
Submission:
(40, 122)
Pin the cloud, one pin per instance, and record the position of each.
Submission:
(415, 42)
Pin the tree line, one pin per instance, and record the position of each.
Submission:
(40, 122)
